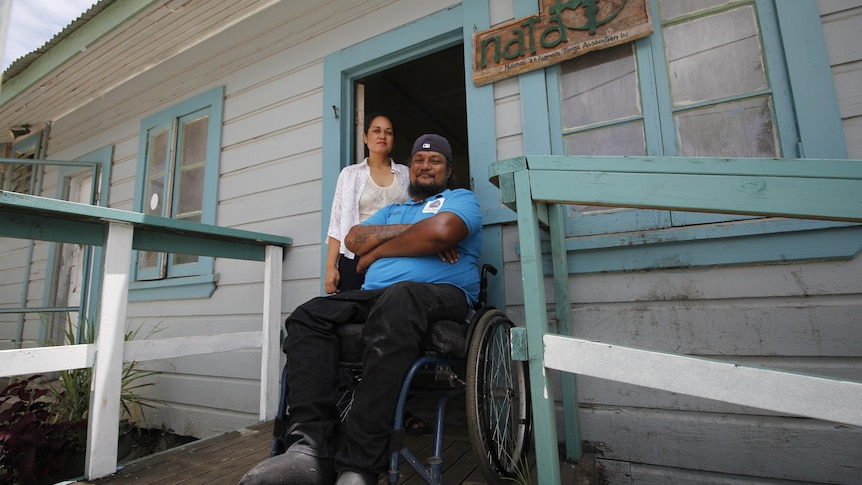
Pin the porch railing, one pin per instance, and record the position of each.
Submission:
(30, 182)
(536, 186)
(119, 232)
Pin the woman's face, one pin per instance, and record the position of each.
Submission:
(380, 137)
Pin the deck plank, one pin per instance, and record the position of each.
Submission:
(224, 459)
(209, 454)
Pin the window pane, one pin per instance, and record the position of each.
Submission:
(194, 135)
(190, 191)
(600, 86)
(191, 167)
(739, 129)
(186, 258)
(154, 203)
(671, 9)
(621, 140)
(149, 259)
(714, 57)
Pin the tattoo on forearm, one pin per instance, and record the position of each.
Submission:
(379, 234)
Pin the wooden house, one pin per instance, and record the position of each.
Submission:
(241, 113)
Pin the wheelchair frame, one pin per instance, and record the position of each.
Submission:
(496, 391)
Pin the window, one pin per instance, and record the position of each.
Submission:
(717, 100)
(177, 176)
(22, 177)
(710, 82)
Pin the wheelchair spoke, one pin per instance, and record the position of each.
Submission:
(499, 406)
(344, 404)
(501, 393)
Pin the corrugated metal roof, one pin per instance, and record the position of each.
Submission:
(22, 63)
(111, 43)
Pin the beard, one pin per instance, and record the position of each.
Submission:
(423, 191)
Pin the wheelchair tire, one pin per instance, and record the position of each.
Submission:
(499, 415)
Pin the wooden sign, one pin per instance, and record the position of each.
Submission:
(562, 30)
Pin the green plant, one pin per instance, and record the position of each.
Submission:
(71, 396)
(44, 430)
(33, 444)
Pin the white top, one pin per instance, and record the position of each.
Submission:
(348, 191)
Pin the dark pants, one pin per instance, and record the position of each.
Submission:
(349, 278)
(396, 320)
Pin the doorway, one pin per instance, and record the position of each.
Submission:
(425, 95)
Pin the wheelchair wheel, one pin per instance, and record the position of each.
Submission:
(498, 401)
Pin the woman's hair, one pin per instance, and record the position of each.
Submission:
(370, 117)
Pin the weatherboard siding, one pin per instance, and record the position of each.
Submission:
(842, 22)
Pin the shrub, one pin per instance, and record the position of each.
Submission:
(33, 444)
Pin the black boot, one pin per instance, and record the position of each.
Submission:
(292, 468)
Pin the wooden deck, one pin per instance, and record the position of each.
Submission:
(224, 459)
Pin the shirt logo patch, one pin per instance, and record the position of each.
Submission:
(433, 206)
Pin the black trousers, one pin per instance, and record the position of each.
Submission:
(396, 320)
(350, 279)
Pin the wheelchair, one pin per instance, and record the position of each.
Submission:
(473, 360)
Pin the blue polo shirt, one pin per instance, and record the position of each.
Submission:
(429, 269)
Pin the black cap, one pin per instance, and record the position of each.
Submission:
(433, 143)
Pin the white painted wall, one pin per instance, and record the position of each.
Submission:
(271, 65)
(842, 24)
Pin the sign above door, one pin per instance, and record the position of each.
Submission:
(560, 31)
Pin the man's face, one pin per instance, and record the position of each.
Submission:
(429, 173)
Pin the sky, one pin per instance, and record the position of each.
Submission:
(32, 23)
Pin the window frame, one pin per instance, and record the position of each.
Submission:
(190, 280)
(695, 236)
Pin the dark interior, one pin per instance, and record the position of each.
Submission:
(425, 95)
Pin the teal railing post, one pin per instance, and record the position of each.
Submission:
(563, 306)
(542, 396)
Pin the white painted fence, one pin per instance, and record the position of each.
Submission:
(30, 217)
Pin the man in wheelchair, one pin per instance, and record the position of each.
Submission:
(421, 260)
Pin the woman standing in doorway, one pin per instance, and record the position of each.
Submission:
(361, 190)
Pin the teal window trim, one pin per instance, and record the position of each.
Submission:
(93, 259)
(809, 126)
(782, 102)
(480, 131)
(821, 134)
(483, 140)
(186, 288)
(190, 280)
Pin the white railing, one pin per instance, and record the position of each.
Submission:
(30, 217)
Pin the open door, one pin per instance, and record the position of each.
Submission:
(425, 95)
